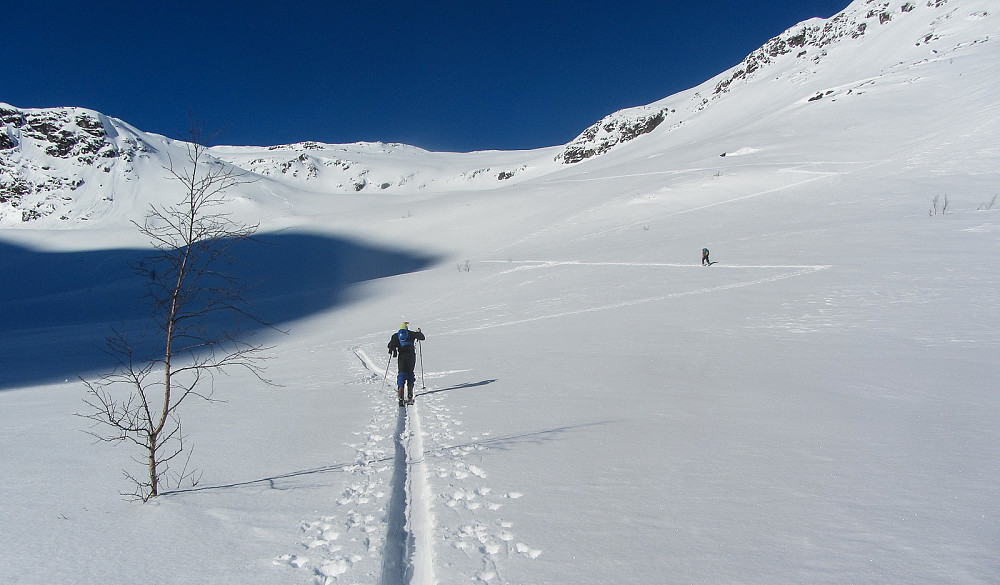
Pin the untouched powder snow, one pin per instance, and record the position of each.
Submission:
(593, 406)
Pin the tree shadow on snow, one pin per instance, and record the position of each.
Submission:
(57, 308)
(306, 478)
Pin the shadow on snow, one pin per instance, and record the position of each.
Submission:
(456, 387)
(57, 308)
(297, 479)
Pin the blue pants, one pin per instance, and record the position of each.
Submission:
(404, 377)
(407, 363)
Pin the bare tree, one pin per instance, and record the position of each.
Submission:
(197, 309)
(934, 206)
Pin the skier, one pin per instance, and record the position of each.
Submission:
(704, 257)
(401, 344)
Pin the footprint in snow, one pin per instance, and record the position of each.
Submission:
(334, 568)
(291, 560)
(527, 551)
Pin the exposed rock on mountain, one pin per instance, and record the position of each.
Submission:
(613, 130)
(810, 39)
(807, 43)
(45, 155)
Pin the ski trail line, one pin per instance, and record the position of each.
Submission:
(819, 176)
(408, 554)
(629, 303)
(396, 539)
(671, 214)
(533, 264)
(365, 360)
(419, 518)
(797, 166)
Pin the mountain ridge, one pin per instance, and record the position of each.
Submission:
(70, 164)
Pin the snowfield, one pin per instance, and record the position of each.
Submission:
(593, 405)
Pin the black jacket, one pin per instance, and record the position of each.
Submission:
(397, 348)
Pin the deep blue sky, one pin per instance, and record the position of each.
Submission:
(443, 75)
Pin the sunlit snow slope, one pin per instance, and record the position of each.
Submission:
(593, 405)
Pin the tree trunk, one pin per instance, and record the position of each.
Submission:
(153, 483)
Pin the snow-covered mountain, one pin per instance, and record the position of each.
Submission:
(819, 406)
(814, 60)
(72, 164)
(47, 157)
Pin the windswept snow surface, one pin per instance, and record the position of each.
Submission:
(593, 406)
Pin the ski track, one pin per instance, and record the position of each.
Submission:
(663, 216)
(383, 529)
(398, 541)
(798, 271)
(419, 517)
(795, 167)
(532, 264)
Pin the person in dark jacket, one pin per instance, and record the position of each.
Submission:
(402, 345)
(704, 257)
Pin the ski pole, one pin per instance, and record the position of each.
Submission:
(386, 375)
(420, 349)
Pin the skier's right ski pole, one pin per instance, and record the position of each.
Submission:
(420, 347)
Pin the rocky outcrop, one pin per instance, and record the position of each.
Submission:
(807, 41)
(44, 153)
(63, 134)
(810, 39)
(613, 130)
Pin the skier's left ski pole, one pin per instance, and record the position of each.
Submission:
(386, 375)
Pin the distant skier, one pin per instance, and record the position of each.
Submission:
(401, 344)
(704, 257)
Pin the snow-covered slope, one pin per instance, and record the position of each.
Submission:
(375, 167)
(818, 407)
(71, 164)
(870, 46)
